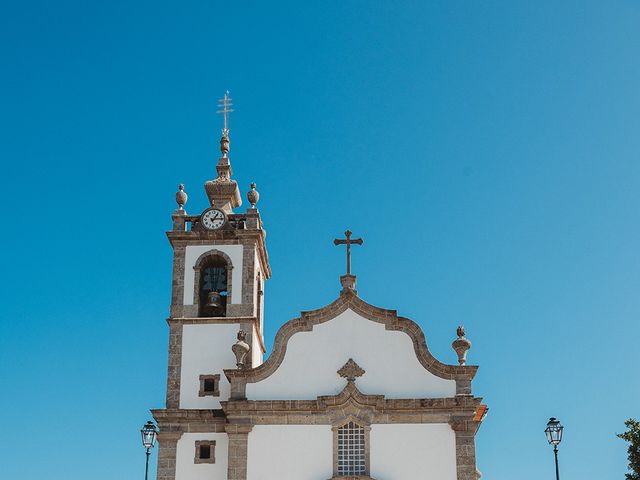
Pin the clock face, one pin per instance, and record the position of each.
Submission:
(213, 218)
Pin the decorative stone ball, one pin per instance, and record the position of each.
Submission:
(253, 196)
(181, 196)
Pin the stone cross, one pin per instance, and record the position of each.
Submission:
(348, 241)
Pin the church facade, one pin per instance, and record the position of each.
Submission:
(349, 391)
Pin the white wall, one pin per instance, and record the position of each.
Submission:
(397, 452)
(256, 349)
(402, 452)
(186, 469)
(192, 254)
(206, 350)
(313, 358)
(291, 452)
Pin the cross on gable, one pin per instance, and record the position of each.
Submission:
(348, 241)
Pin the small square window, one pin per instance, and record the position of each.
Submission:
(205, 451)
(209, 386)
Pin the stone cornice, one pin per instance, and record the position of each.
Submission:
(205, 320)
(239, 416)
(349, 300)
(224, 237)
(329, 409)
(183, 420)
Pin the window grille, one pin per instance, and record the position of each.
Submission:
(351, 450)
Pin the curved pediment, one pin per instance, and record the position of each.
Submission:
(309, 350)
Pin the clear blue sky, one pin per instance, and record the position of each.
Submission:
(488, 152)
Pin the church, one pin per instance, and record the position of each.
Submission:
(349, 391)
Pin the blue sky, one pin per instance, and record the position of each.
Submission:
(488, 153)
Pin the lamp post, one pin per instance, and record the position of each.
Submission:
(554, 437)
(149, 433)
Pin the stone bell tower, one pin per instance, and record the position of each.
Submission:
(220, 265)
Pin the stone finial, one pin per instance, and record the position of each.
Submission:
(461, 345)
(181, 197)
(223, 193)
(225, 104)
(240, 349)
(253, 196)
(348, 283)
(351, 370)
(224, 144)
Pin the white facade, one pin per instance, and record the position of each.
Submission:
(300, 452)
(413, 451)
(187, 469)
(205, 351)
(313, 358)
(324, 373)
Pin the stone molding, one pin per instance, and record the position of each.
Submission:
(238, 450)
(349, 300)
(167, 449)
(212, 449)
(177, 280)
(367, 436)
(178, 421)
(174, 368)
(209, 393)
(371, 409)
(466, 455)
(351, 477)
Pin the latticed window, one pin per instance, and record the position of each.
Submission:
(351, 450)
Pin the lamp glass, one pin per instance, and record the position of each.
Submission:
(554, 431)
(149, 434)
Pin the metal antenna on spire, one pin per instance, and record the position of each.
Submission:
(225, 109)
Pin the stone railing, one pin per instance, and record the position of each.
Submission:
(235, 221)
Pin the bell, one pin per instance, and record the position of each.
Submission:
(214, 300)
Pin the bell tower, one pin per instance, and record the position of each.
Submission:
(220, 265)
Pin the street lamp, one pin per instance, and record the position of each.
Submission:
(149, 433)
(554, 437)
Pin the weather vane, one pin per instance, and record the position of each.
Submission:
(225, 109)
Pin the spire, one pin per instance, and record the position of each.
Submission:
(224, 165)
(225, 104)
(223, 192)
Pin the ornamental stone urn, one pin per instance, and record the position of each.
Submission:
(461, 345)
(181, 197)
(240, 349)
(253, 196)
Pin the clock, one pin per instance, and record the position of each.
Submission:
(212, 219)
